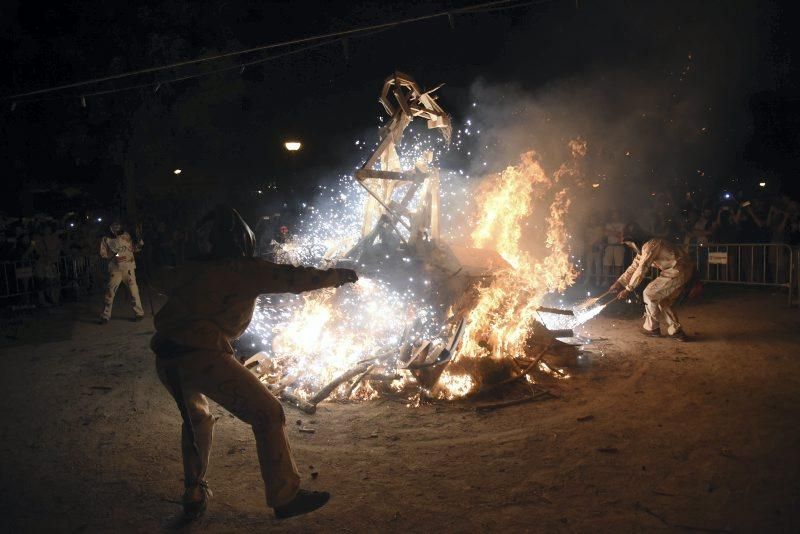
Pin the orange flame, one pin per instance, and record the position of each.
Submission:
(500, 322)
(319, 342)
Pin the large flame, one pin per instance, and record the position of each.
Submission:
(499, 323)
(318, 336)
(328, 332)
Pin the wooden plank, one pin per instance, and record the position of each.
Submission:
(412, 190)
(363, 174)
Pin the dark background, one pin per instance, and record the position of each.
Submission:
(700, 92)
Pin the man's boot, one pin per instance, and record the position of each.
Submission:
(679, 335)
(195, 500)
(304, 502)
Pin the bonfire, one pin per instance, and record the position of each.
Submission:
(433, 316)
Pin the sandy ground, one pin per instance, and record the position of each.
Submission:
(649, 435)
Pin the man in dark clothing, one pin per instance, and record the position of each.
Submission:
(210, 303)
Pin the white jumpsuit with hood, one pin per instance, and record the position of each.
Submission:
(660, 294)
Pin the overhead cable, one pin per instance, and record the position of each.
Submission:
(324, 38)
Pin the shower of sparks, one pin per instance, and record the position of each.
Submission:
(321, 334)
(315, 337)
(555, 321)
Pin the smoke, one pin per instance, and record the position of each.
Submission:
(662, 105)
(636, 138)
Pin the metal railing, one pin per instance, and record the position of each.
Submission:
(755, 264)
(79, 274)
(794, 289)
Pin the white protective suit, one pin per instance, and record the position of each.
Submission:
(119, 250)
(660, 294)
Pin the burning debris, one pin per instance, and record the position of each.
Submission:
(432, 316)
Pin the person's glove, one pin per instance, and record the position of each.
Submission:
(624, 294)
(346, 276)
(616, 287)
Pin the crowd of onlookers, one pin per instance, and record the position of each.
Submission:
(697, 222)
(44, 256)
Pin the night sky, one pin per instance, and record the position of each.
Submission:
(703, 91)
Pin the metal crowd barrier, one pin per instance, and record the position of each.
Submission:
(79, 274)
(755, 264)
(758, 264)
(794, 290)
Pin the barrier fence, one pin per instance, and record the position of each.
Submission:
(794, 291)
(70, 276)
(760, 264)
(756, 264)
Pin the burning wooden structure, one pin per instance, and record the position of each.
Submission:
(400, 232)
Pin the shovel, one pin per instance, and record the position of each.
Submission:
(588, 304)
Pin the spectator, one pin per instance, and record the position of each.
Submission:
(634, 232)
(24, 249)
(119, 249)
(778, 221)
(725, 228)
(593, 239)
(6, 246)
(265, 230)
(614, 255)
(697, 234)
(702, 227)
(22, 271)
(283, 236)
(752, 231)
(777, 224)
(725, 231)
(752, 222)
(47, 248)
(793, 226)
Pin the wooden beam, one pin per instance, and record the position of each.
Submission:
(363, 174)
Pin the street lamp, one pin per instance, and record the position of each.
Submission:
(292, 146)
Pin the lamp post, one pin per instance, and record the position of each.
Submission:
(293, 146)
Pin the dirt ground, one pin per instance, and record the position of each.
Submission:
(649, 435)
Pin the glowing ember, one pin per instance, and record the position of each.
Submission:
(455, 386)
